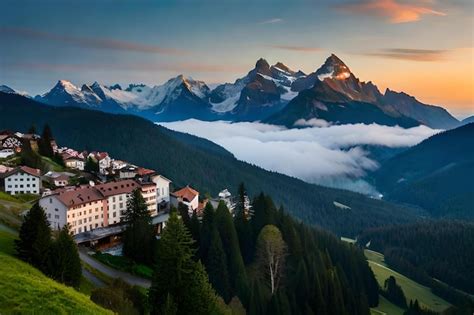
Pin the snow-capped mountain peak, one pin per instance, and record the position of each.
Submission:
(333, 68)
(7, 89)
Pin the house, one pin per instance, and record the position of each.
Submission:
(10, 141)
(103, 159)
(83, 208)
(32, 138)
(73, 162)
(187, 196)
(4, 153)
(162, 188)
(58, 179)
(227, 198)
(118, 164)
(4, 169)
(21, 180)
(128, 172)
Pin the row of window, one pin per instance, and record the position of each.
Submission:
(22, 186)
(21, 179)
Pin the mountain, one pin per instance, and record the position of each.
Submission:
(435, 174)
(7, 89)
(275, 94)
(179, 98)
(191, 160)
(335, 94)
(468, 120)
(263, 91)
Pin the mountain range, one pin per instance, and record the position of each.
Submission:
(270, 93)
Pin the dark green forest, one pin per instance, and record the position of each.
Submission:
(435, 174)
(443, 250)
(191, 160)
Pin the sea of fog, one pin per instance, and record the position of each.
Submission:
(330, 155)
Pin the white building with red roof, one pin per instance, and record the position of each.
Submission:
(21, 180)
(187, 196)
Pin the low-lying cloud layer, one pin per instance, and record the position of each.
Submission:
(331, 155)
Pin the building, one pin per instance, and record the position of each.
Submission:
(162, 188)
(103, 159)
(58, 179)
(84, 208)
(127, 172)
(21, 180)
(4, 153)
(10, 141)
(89, 207)
(227, 198)
(187, 196)
(73, 162)
(149, 194)
(116, 195)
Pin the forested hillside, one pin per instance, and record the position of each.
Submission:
(439, 249)
(191, 160)
(435, 175)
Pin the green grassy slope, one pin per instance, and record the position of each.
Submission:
(412, 289)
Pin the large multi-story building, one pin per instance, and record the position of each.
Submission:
(89, 207)
(21, 180)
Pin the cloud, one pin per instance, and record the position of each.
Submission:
(271, 21)
(410, 54)
(331, 156)
(298, 48)
(313, 122)
(391, 10)
(87, 42)
(138, 67)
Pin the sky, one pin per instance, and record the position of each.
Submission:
(328, 155)
(424, 48)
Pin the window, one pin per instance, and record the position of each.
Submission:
(96, 217)
(56, 209)
(56, 216)
(114, 214)
(49, 215)
(50, 200)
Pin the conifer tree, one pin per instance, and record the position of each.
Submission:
(91, 166)
(195, 229)
(243, 227)
(216, 266)
(65, 264)
(44, 144)
(206, 231)
(178, 275)
(230, 242)
(139, 236)
(34, 241)
(29, 157)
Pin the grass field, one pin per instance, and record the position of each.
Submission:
(412, 289)
(386, 308)
(25, 290)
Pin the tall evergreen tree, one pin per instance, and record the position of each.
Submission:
(34, 243)
(91, 166)
(65, 264)
(195, 229)
(216, 266)
(44, 144)
(207, 227)
(230, 242)
(139, 236)
(178, 275)
(243, 227)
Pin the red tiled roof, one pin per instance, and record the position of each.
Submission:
(79, 196)
(187, 193)
(119, 187)
(144, 171)
(25, 169)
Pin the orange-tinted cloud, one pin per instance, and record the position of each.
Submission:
(97, 43)
(298, 48)
(391, 10)
(410, 54)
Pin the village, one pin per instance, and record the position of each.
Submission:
(89, 190)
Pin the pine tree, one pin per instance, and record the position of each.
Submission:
(230, 242)
(32, 129)
(206, 231)
(91, 166)
(65, 264)
(178, 275)
(195, 229)
(243, 227)
(34, 241)
(44, 144)
(216, 266)
(139, 236)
